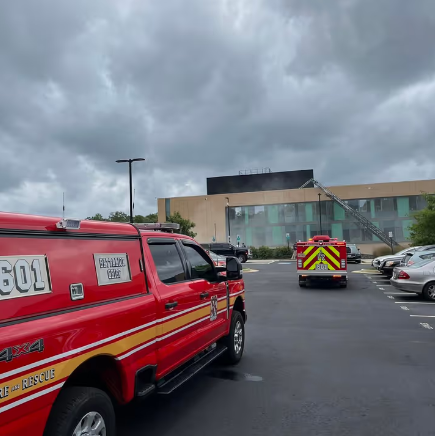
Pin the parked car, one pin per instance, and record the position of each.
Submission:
(408, 256)
(419, 256)
(353, 253)
(378, 260)
(418, 278)
(225, 249)
(387, 265)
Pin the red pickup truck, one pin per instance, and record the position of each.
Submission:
(94, 314)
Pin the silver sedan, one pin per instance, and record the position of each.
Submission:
(418, 278)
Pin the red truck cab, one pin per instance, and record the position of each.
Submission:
(95, 314)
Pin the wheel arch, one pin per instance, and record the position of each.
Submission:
(101, 372)
(239, 306)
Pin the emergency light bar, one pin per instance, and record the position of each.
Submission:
(157, 226)
(68, 224)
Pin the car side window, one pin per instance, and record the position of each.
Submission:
(168, 263)
(201, 266)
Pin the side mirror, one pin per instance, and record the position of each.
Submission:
(234, 269)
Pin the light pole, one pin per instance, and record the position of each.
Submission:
(130, 161)
(228, 218)
(320, 215)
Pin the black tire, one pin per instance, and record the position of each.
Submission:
(242, 258)
(302, 285)
(73, 404)
(232, 356)
(358, 261)
(343, 285)
(428, 291)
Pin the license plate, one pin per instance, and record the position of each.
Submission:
(321, 267)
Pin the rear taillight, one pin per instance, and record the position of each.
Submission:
(403, 275)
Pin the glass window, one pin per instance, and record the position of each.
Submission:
(290, 213)
(168, 263)
(201, 265)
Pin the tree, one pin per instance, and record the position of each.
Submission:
(151, 218)
(186, 225)
(422, 232)
(119, 217)
(96, 217)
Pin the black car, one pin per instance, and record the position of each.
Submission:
(387, 265)
(225, 249)
(353, 253)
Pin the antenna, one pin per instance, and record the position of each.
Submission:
(134, 196)
(63, 205)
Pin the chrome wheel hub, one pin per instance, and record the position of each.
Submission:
(92, 424)
(238, 337)
(431, 292)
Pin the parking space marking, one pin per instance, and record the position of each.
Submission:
(381, 289)
(418, 302)
(390, 296)
(401, 293)
(426, 325)
(404, 308)
(423, 316)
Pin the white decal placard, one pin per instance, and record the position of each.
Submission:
(24, 276)
(112, 268)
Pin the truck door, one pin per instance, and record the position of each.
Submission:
(204, 279)
(180, 307)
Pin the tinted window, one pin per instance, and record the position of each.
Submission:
(168, 263)
(201, 266)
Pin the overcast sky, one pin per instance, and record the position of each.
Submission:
(206, 88)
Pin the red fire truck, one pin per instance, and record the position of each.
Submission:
(95, 314)
(322, 258)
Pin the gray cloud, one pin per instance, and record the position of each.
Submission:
(207, 88)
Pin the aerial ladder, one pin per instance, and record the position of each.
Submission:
(362, 221)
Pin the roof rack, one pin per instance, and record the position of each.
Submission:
(163, 227)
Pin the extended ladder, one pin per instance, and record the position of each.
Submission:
(362, 221)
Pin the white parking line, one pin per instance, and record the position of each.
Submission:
(404, 308)
(423, 316)
(391, 297)
(426, 325)
(400, 293)
(416, 302)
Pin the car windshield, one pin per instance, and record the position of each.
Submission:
(215, 257)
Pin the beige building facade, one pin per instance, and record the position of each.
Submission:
(264, 218)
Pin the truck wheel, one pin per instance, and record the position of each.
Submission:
(242, 258)
(429, 291)
(302, 285)
(82, 411)
(235, 341)
(343, 284)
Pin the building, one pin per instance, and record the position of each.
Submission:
(263, 217)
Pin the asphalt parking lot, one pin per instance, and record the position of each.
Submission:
(318, 361)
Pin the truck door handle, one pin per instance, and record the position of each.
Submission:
(171, 305)
(204, 295)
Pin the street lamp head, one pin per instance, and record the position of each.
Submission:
(130, 160)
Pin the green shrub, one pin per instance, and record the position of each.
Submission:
(271, 253)
(283, 253)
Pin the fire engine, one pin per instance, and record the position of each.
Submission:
(322, 258)
(95, 314)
